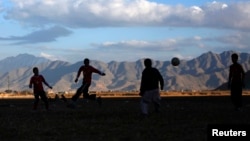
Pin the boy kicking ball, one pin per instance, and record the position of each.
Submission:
(87, 71)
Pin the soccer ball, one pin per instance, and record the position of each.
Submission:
(175, 61)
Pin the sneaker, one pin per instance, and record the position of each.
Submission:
(238, 109)
(71, 105)
(64, 98)
(48, 110)
(157, 110)
(99, 100)
(143, 116)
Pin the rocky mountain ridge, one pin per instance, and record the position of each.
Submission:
(207, 71)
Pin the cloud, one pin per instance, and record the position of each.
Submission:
(1, 7)
(110, 13)
(149, 47)
(44, 35)
(168, 44)
(183, 57)
(232, 16)
(184, 48)
(188, 46)
(236, 40)
(48, 56)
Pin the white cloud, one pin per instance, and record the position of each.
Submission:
(183, 57)
(48, 56)
(224, 6)
(99, 13)
(196, 10)
(162, 45)
(184, 48)
(197, 38)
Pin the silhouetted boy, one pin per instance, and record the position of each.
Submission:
(149, 89)
(87, 71)
(36, 82)
(236, 81)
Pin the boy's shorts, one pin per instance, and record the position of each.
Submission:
(151, 96)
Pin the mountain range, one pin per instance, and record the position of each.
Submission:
(206, 72)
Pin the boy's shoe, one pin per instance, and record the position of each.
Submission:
(71, 105)
(157, 110)
(143, 116)
(99, 101)
(238, 109)
(64, 98)
(48, 110)
(34, 107)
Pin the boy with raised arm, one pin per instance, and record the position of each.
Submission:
(87, 71)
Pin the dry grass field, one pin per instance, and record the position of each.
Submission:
(127, 94)
(182, 118)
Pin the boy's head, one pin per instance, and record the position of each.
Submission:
(35, 71)
(148, 63)
(86, 61)
(234, 58)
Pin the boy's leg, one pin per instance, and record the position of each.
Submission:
(236, 93)
(78, 93)
(44, 99)
(233, 99)
(156, 100)
(86, 92)
(63, 98)
(145, 100)
(144, 107)
(74, 98)
(90, 96)
(35, 101)
(99, 100)
(239, 98)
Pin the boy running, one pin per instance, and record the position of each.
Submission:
(36, 82)
(87, 71)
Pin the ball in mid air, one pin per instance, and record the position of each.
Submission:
(175, 61)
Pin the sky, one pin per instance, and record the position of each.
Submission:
(123, 30)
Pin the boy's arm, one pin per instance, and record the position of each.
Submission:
(243, 77)
(78, 73)
(97, 71)
(30, 85)
(161, 81)
(46, 83)
(229, 78)
(142, 87)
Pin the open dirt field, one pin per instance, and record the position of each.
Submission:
(118, 119)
